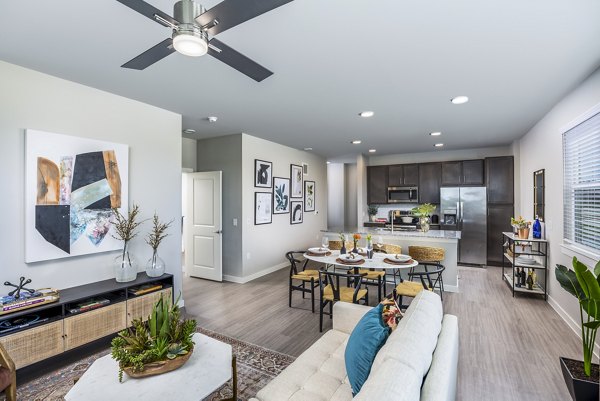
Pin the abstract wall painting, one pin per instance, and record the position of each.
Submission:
(263, 173)
(262, 208)
(296, 179)
(296, 216)
(309, 196)
(71, 186)
(281, 192)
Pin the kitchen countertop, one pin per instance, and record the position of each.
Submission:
(442, 234)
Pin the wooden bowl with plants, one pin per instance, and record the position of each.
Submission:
(162, 344)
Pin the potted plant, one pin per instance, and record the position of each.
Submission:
(162, 344)
(125, 264)
(522, 226)
(372, 210)
(156, 266)
(582, 283)
(423, 212)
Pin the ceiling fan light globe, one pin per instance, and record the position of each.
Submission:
(190, 45)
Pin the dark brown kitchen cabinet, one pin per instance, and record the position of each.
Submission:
(430, 179)
(377, 183)
(498, 220)
(466, 172)
(403, 175)
(499, 177)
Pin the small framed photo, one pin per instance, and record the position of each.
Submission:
(296, 178)
(281, 195)
(263, 202)
(296, 216)
(263, 173)
(309, 196)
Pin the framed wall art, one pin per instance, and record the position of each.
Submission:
(296, 181)
(263, 173)
(262, 208)
(309, 196)
(71, 186)
(296, 214)
(281, 195)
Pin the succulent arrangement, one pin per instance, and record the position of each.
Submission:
(163, 337)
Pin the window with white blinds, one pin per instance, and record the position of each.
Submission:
(581, 157)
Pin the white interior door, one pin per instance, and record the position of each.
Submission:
(203, 258)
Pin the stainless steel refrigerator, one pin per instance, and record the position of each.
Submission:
(464, 209)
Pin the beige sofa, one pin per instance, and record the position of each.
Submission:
(418, 362)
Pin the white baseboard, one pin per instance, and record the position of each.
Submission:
(245, 279)
(576, 327)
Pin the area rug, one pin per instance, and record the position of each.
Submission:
(256, 367)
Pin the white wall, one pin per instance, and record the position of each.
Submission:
(189, 150)
(225, 154)
(350, 196)
(267, 244)
(541, 148)
(29, 99)
(335, 195)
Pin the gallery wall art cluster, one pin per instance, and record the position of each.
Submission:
(71, 186)
(283, 198)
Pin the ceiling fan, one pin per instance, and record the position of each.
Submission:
(192, 26)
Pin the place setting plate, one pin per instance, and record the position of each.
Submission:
(351, 259)
(319, 251)
(398, 259)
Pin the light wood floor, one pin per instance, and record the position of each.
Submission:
(509, 348)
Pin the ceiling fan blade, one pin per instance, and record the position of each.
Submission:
(149, 11)
(237, 60)
(151, 56)
(230, 13)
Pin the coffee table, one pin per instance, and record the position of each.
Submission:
(208, 368)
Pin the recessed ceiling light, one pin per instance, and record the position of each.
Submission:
(307, 149)
(189, 131)
(212, 119)
(459, 99)
(438, 145)
(366, 114)
(435, 133)
(356, 142)
(372, 150)
(328, 162)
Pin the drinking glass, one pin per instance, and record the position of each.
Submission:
(379, 242)
(325, 242)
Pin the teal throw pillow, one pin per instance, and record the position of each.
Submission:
(364, 343)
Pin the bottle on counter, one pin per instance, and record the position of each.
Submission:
(530, 280)
(537, 228)
(523, 277)
(518, 277)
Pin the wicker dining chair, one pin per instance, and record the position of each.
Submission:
(429, 280)
(8, 376)
(428, 257)
(331, 291)
(336, 245)
(303, 277)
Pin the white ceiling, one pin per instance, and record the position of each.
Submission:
(404, 59)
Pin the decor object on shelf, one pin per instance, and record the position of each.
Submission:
(537, 228)
(296, 180)
(24, 298)
(263, 202)
(125, 227)
(263, 173)
(309, 196)
(71, 185)
(296, 216)
(355, 238)
(372, 210)
(522, 226)
(156, 266)
(423, 212)
(18, 287)
(281, 190)
(162, 344)
(583, 284)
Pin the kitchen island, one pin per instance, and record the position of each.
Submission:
(448, 240)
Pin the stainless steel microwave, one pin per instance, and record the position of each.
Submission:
(403, 194)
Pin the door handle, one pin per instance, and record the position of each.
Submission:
(219, 232)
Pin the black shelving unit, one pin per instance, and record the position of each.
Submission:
(539, 249)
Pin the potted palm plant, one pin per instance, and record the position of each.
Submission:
(582, 377)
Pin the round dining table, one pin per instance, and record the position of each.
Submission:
(377, 262)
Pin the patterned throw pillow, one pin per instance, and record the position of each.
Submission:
(391, 313)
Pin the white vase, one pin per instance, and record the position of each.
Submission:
(155, 266)
(125, 266)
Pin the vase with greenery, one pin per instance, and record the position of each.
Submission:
(423, 212)
(155, 266)
(522, 226)
(372, 210)
(343, 241)
(161, 344)
(126, 230)
(582, 283)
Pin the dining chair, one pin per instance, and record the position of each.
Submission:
(331, 291)
(336, 245)
(8, 376)
(302, 277)
(429, 280)
(428, 257)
